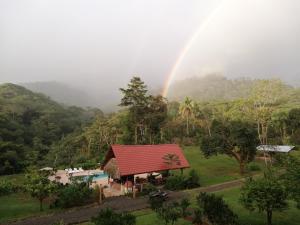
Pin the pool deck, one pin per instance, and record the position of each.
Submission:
(63, 177)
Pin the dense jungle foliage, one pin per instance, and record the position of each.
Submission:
(37, 131)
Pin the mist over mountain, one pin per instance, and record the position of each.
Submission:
(71, 95)
(107, 95)
(213, 87)
(61, 92)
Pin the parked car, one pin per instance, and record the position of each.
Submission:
(159, 194)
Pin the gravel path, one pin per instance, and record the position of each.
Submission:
(119, 204)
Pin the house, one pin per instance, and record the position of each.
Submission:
(125, 163)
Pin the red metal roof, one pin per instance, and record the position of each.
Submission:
(137, 159)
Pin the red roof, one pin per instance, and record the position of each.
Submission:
(138, 159)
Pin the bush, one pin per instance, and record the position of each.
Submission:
(193, 180)
(7, 187)
(74, 195)
(184, 204)
(253, 167)
(88, 165)
(216, 210)
(156, 203)
(182, 182)
(169, 212)
(148, 188)
(175, 183)
(107, 216)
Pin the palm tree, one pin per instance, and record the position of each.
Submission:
(186, 111)
(171, 160)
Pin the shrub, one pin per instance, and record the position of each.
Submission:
(156, 203)
(148, 188)
(107, 216)
(252, 166)
(88, 165)
(175, 183)
(184, 204)
(182, 182)
(7, 187)
(74, 195)
(216, 210)
(193, 180)
(169, 212)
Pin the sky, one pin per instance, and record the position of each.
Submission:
(98, 45)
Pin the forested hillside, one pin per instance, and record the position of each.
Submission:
(35, 130)
(61, 93)
(211, 87)
(31, 123)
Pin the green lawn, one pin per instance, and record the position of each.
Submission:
(287, 217)
(214, 170)
(231, 196)
(19, 205)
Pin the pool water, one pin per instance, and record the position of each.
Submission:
(97, 176)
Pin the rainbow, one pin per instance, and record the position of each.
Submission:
(187, 47)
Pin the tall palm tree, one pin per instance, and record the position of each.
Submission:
(171, 160)
(186, 111)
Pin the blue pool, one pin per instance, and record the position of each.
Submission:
(97, 176)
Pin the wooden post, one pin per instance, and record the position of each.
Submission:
(133, 191)
(100, 195)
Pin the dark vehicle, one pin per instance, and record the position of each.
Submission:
(159, 194)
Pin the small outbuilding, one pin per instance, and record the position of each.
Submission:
(275, 148)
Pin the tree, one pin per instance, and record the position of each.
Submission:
(204, 115)
(266, 194)
(293, 123)
(236, 139)
(279, 123)
(186, 111)
(108, 216)
(184, 204)
(265, 96)
(215, 210)
(292, 178)
(135, 97)
(197, 219)
(39, 186)
(156, 115)
(171, 160)
(169, 212)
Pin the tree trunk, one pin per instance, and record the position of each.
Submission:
(135, 135)
(41, 204)
(187, 125)
(269, 217)
(242, 168)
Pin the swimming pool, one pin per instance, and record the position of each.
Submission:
(97, 176)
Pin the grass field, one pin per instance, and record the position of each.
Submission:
(19, 205)
(213, 170)
(291, 216)
(216, 169)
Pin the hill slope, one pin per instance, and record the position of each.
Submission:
(30, 123)
(212, 87)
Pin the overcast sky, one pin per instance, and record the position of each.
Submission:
(100, 44)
